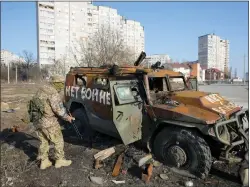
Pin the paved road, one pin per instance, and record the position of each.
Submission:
(236, 93)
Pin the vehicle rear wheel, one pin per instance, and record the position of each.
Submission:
(184, 149)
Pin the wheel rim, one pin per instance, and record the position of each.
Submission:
(176, 156)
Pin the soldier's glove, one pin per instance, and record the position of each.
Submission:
(70, 119)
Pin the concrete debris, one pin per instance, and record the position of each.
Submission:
(104, 153)
(183, 173)
(156, 163)
(98, 164)
(143, 160)
(118, 182)
(164, 176)
(146, 176)
(4, 106)
(96, 180)
(10, 111)
(189, 184)
(117, 166)
(218, 162)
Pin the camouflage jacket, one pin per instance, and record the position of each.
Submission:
(53, 106)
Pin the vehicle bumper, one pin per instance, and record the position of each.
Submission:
(234, 133)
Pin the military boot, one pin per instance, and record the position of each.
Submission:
(45, 164)
(62, 162)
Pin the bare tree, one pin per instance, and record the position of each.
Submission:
(105, 47)
(59, 66)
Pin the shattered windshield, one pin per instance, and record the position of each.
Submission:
(177, 83)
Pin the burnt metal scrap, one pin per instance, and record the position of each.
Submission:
(161, 109)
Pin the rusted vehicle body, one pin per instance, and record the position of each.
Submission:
(182, 126)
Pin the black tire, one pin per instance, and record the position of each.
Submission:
(193, 150)
(82, 123)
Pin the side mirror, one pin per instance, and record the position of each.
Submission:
(192, 83)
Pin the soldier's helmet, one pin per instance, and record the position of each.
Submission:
(57, 78)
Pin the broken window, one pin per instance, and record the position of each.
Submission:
(126, 94)
(177, 83)
(81, 80)
(157, 84)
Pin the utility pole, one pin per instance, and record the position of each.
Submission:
(16, 74)
(244, 74)
(8, 72)
(210, 75)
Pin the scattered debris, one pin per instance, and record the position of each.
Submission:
(183, 173)
(156, 163)
(117, 166)
(104, 153)
(143, 160)
(118, 182)
(211, 182)
(218, 162)
(96, 180)
(10, 111)
(124, 171)
(189, 184)
(98, 164)
(4, 106)
(146, 176)
(164, 176)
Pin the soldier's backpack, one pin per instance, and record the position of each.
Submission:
(36, 109)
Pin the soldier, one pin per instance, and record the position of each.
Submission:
(47, 126)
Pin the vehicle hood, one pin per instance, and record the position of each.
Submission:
(208, 101)
(197, 107)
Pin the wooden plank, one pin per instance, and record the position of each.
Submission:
(104, 153)
(117, 166)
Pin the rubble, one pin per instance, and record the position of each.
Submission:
(98, 164)
(189, 184)
(183, 173)
(164, 176)
(156, 163)
(118, 182)
(143, 160)
(96, 180)
(4, 106)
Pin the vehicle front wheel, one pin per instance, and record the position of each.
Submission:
(184, 149)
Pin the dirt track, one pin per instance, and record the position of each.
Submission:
(19, 167)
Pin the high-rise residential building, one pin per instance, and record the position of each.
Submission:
(213, 52)
(8, 57)
(62, 24)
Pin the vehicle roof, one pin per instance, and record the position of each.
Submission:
(125, 70)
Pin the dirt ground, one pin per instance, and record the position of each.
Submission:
(20, 168)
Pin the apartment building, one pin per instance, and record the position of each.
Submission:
(213, 52)
(8, 57)
(62, 24)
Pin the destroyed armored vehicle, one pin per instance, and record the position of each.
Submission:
(181, 126)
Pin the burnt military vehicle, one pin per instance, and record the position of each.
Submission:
(182, 126)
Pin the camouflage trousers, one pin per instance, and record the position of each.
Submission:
(53, 135)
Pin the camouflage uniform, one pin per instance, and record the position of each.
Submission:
(48, 127)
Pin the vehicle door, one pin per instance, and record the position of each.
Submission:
(127, 109)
